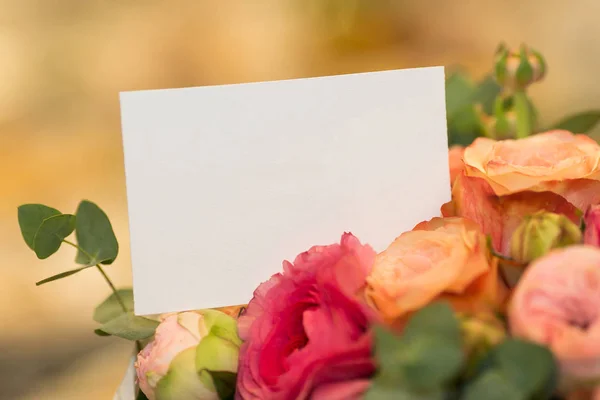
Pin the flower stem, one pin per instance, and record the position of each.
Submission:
(106, 278)
(523, 112)
(112, 286)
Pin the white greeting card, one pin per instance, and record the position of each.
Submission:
(226, 182)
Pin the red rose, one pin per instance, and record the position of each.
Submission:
(306, 331)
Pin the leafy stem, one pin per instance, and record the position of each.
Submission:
(106, 277)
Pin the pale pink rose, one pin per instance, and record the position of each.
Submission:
(557, 303)
(592, 226)
(455, 159)
(176, 333)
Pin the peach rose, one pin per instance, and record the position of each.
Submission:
(455, 159)
(557, 303)
(555, 161)
(443, 257)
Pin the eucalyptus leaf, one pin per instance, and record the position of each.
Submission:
(492, 386)
(424, 359)
(111, 307)
(486, 93)
(579, 123)
(528, 366)
(95, 236)
(434, 319)
(31, 217)
(130, 327)
(379, 392)
(459, 93)
(101, 333)
(60, 276)
(428, 362)
(51, 233)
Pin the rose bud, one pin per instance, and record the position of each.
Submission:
(591, 219)
(539, 233)
(186, 346)
(518, 69)
(480, 333)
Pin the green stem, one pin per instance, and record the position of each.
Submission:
(523, 112)
(112, 286)
(106, 278)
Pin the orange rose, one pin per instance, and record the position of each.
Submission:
(555, 161)
(442, 258)
(504, 181)
(455, 159)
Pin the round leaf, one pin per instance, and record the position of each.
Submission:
(434, 319)
(111, 308)
(428, 362)
(130, 327)
(31, 217)
(528, 366)
(492, 386)
(95, 236)
(51, 233)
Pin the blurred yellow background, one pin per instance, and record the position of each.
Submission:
(63, 62)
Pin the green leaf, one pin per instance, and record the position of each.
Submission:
(492, 386)
(378, 392)
(486, 93)
(434, 319)
(51, 233)
(60, 276)
(101, 333)
(459, 93)
(528, 366)
(425, 358)
(31, 217)
(130, 327)
(224, 382)
(579, 123)
(111, 308)
(95, 236)
(428, 362)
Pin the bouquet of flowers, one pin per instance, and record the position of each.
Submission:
(496, 298)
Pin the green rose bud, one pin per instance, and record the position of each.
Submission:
(539, 233)
(194, 355)
(515, 70)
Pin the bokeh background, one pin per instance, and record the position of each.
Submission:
(63, 62)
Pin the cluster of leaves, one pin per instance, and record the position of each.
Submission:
(45, 229)
(428, 361)
(464, 96)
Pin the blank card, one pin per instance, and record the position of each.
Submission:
(226, 182)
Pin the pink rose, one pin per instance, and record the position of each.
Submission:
(557, 303)
(306, 330)
(592, 226)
